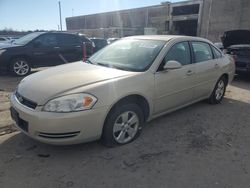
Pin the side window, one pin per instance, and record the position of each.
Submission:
(48, 40)
(179, 52)
(217, 53)
(84, 39)
(202, 51)
(70, 40)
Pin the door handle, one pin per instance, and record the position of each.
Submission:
(189, 73)
(216, 65)
(56, 47)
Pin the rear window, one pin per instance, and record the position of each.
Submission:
(84, 39)
(99, 42)
(217, 53)
(70, 40)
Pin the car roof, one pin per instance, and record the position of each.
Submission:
(167, 37)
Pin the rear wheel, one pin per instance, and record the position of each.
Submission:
(123, 125)
(19, 67)
(219, 91)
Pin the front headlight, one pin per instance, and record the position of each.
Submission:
(71, 103)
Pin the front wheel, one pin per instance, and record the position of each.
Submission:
(218, 92)
(123, 125)
(19, 67)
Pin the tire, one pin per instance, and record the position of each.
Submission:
(118, 130)
(19, 67)
(219, 91)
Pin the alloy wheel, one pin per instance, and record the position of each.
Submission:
(21, 67)
(219, 92)
(125, 127)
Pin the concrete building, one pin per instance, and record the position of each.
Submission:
(219, 16)
(205, 18)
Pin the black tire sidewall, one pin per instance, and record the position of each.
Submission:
(11, 68)
(212, 98)
(107, 135)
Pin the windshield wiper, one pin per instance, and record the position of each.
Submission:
(114, 67)
(104, 65)
(89, 62)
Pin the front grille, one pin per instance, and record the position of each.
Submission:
(58, 135)
(24, 101)
(23, 125)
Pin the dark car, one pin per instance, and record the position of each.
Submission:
(40, 49)
(237, 44)
(99, 43)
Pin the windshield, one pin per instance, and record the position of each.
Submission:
(27, 38)
(129, 54)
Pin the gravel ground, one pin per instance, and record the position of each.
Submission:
(199, 146)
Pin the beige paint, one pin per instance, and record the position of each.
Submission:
(165, 91)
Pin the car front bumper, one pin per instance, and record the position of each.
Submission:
(58, 128)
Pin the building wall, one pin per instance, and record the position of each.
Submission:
(223, 15)
(245, 15)
(214, 18)
(140, 17)
(154, 16)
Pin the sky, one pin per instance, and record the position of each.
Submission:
(26, 15)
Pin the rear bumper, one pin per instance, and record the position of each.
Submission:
(242, 70)
(242, 65)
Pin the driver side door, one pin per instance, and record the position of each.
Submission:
(175, 88)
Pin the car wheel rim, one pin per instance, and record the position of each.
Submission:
(220, 90)
(21, 67)
(125, 127)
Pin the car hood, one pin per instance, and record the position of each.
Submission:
(235, 37)
(7, 45)
(45, 85)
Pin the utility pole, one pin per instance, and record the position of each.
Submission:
(60, 14)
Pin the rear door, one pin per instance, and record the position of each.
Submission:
(45, 50)
(207, 69)
(70, 48)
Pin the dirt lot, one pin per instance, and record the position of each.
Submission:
(197, 147)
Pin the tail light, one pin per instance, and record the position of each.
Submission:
(92, 49)
(234, 57)
(84, 53)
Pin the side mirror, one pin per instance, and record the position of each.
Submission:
(37, 43)
(172, 65)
